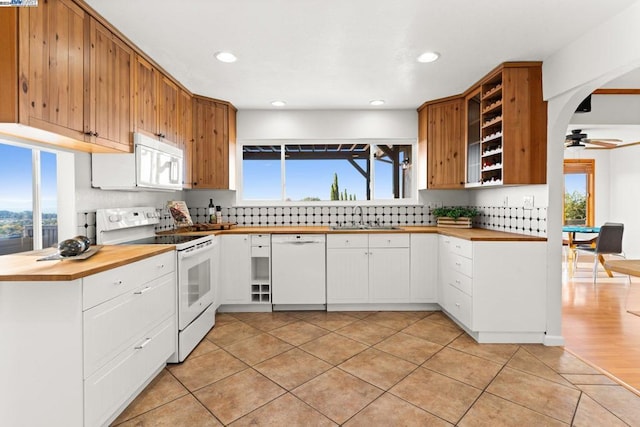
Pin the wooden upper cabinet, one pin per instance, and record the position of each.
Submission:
(109, 83)
(211, 159)
(445, 146)
(146, 96)
(185, 135)
(51, 67)
(168, 109)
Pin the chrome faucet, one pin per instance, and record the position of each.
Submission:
(358, 209)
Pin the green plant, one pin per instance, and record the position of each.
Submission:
(455, 212)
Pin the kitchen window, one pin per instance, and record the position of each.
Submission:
(28, 199)
(346, 171)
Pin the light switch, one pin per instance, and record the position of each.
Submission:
(528, 202)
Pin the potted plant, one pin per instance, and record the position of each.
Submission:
(455, 216)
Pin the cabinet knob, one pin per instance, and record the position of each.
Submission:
(118, 282)
(160, 266)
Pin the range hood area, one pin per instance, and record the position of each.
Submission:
(153, 166)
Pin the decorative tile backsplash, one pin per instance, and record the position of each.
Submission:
(510, 219)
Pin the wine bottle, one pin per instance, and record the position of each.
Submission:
(211, 211)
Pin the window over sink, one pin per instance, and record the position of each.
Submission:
(334, 171)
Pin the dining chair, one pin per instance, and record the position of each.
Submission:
(608, 242)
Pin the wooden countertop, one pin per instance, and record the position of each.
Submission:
(24, 267)
(474, 234)
(624, 266)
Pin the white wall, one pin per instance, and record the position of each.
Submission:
(625, 196)
(611, 109)
(614, 44)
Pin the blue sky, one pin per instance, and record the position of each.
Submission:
(575, 181)
(16, 179)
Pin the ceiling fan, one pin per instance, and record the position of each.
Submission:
(577, 139)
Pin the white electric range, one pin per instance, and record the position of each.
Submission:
(196, 272)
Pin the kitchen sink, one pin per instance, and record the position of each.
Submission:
(364, 227)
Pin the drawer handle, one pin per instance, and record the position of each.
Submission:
(458, 282)
(118, 282)
(142, 291)
(458, 305)
(458, 264)
(160, 266)
(143, 345)
(458, 246)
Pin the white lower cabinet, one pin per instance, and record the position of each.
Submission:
(235, 265)
(424, 268)
(366, 268)
(81, 350)
(495, 289)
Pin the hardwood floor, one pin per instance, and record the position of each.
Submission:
(595, 321)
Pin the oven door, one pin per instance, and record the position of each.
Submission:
(196, 286)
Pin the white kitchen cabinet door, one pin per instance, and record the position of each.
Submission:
(444, 263)
(424, 268)
(347, 275)
(389, 275)
(235, 265)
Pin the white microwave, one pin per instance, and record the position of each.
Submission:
(153, 165)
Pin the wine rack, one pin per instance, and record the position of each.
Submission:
(491, 131)
(260, 268)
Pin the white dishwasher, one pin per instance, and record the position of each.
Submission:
(298, 270)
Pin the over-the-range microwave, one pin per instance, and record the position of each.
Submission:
(154, 165)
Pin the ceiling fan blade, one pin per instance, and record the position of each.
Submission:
(602, 143)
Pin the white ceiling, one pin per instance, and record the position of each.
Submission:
(333, 54)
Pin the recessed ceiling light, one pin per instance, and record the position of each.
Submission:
(428, 57)
(226, 57)
(278, 103)
(377, 102)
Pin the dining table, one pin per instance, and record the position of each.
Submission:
(572, 230)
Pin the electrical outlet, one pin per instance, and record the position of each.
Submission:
(528, 202)
(505, 201)
(437, 204)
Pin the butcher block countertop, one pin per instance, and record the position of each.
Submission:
(474, 234)
(23, 266)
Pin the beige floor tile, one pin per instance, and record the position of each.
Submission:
(587, 379)
(206, 369)
(442, 396)
(333, 348)
(298, 333)
(366, 332)
(525, 361)
(229, 333)
(237, 395)
(186, 411)
(617, 399)
(443, 319)
(590, 413)
(359, 314)
(388, 410)
(270, 321)
(292, 368)
(303, 314)
(163, 389)
(286, 410)
(337, 394)
(464, 367)
(409, 347)
(433, 331)
(395, 319)
(331, 320)
(549, 398)
(204, 347)
(499, 353)
(378, 368)
(492, 411)
(258, 348)
(560, 360)
(224, 318)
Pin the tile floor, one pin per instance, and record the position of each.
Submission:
(374, 369)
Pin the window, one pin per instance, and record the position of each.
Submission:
(579, 191)
(316, 172)
(28, 199)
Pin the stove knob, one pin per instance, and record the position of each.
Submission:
(150, 214)
(114, 218)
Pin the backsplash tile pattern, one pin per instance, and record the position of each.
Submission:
(510, 219)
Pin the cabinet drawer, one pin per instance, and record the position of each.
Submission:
(461, 281)
(461, 264)
(109, 284)
(389, 240)
(260, 239)
(112, 326)
(107, 389)
(459, 305)
(260, 251)
(462, 247)
(347, 241)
